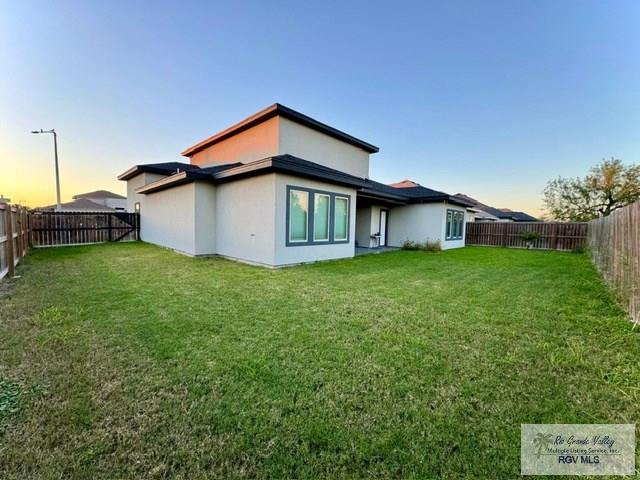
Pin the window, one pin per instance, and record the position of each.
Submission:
(298, 215)
(460, 224)
(455, 225)
(321, 213)
(341, 223)
(316, 217)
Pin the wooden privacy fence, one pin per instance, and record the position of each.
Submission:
(14, 237)
(551, 235)
(614, 245)
(50, 229)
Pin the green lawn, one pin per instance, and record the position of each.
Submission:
(127, 360)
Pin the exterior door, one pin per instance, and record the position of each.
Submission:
(384, 215)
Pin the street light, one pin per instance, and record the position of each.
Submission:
(55, 150)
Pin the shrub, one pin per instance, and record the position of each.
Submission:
(529, 236)
(427, 246)
(431, 246)
(409, 245)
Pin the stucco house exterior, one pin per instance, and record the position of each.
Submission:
(105, 198)
(96, 201)
(480, 212)
(280, 188)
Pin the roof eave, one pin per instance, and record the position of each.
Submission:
(372, 193)
(280, 165)
(175, 180)
(132, 172)
(440, 198)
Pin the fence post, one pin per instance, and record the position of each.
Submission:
(110, 228)
(9, 231)
(29, 234)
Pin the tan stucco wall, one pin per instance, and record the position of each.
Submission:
(363, 226)
(245, 219)
(205, 242)
(137, 182)
(280, 136)
(181, 218)
(422, 222)
(367, 224)
(306, 143)
(255, 143)
(167, 218)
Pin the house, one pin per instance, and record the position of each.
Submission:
(478, 215)
(479, 212)
(78, 205)
(282, 188)
(105, 198)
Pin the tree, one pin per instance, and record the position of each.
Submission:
(608, 186)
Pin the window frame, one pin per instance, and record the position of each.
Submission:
(334, 201)
(306, 238)
(330, 214)
(454, 229)
(311, 192)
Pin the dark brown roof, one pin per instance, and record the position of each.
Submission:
(294, 166)
(501, 213)
(166, 168)
(100, 194)
(279, 110)
(231, 172)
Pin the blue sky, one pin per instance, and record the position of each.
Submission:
(488, 98)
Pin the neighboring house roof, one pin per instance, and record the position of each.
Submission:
(405, 184)
(522, 217)
(99, 194)
(279, 110)
(416, 193)
(478, 213)
(503, 214)
(80, 204)
(284, 164)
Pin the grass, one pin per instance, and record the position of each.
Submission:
(142, 363)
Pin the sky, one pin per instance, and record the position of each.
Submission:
(487, 98)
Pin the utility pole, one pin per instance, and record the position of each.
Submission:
(55, 151)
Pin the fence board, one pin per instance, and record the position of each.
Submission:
(614, 246)
(14, 237)
(553, 235)
(78, 228)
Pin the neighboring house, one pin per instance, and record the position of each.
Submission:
(281, 188)
(479, 212)
(105, 198)
(477, 215)
(78, 205)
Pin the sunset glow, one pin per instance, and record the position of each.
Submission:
(491, 100)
